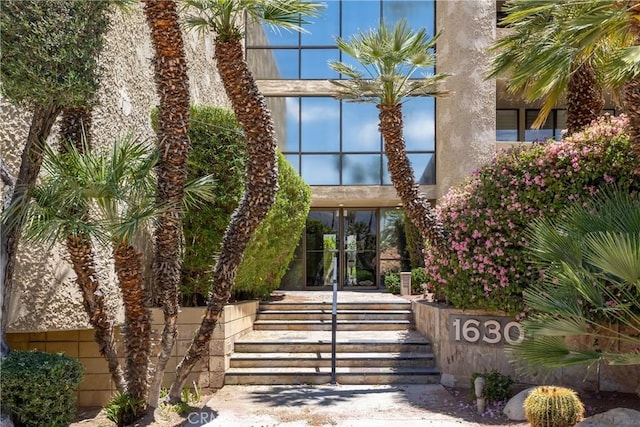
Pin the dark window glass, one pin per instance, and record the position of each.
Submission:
(360, 127)
(319, 169)
(561, 123)
(424, 169)
(294, 159)
(314, 63)
(270, 64)
(264, 35)
(417, 13)
(324, 28)
(359, 16)
(320, 128)
(419, 125)
(285, 113)
(545, 132)
(506, 125)
(361, 169)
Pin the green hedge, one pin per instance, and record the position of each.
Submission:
(218, 148)
(39, 389)
(272, 246)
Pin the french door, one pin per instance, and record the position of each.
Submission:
(341, 247)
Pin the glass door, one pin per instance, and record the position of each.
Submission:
(360, 240)
(341, 247)
(322, 250)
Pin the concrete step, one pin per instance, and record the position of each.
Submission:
(272, 360)
(325, 325)
(325, 347)
(274, 376)
(341, 315)
(288, 306)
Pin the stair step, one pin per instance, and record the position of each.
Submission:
(288, 306)
(325, 325)
(323, 375)
(325, 346)
(341, 315)
(255, 360)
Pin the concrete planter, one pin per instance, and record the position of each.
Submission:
(96, 388)
(468, 341)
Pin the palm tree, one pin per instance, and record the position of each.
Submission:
(225, 18)
(540, 61)
(46, 71)
(591, 288)
(391, 56)
(172, 83)
(617, 23)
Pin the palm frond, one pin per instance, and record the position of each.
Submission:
(198, 191)
(390, 57)
(551, 352)
(616, 254)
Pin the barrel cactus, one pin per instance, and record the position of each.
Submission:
(551, 406)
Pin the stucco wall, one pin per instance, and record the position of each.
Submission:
(45, 297)
(465, 121)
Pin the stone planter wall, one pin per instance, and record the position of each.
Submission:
(97, 388)
(468, 341)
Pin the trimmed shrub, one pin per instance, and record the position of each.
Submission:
(272, 246)
(39, 389)
(218, 148)
(418, 280)
(497, 387)
(487, 216)
(392, 283)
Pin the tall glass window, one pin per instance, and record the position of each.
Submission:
(281, 54)
(331, 142)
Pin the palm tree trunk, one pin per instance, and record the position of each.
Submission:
(414, 202)
(75, 127)
(172, 84)
(260, 192)
(137, 329)
(584, 99)
(41, 124)
(9, 182)
(632, 109)
(632, 87)
(83, 262)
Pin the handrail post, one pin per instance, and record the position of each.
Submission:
(334, 327)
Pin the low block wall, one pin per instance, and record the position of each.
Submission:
(468, 341)
(97, 388)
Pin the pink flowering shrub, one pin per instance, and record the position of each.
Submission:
(486, 216)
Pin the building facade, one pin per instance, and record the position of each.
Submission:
(336, 147)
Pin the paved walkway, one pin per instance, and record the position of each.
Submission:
(326, 405)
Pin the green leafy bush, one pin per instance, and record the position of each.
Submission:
(497, 387)
(392, 283)
(39, 389)
(486, 218)
(271, 249)
(122, 409)
(418, 280)
(218, 148)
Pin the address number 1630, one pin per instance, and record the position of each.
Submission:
(484, 330)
